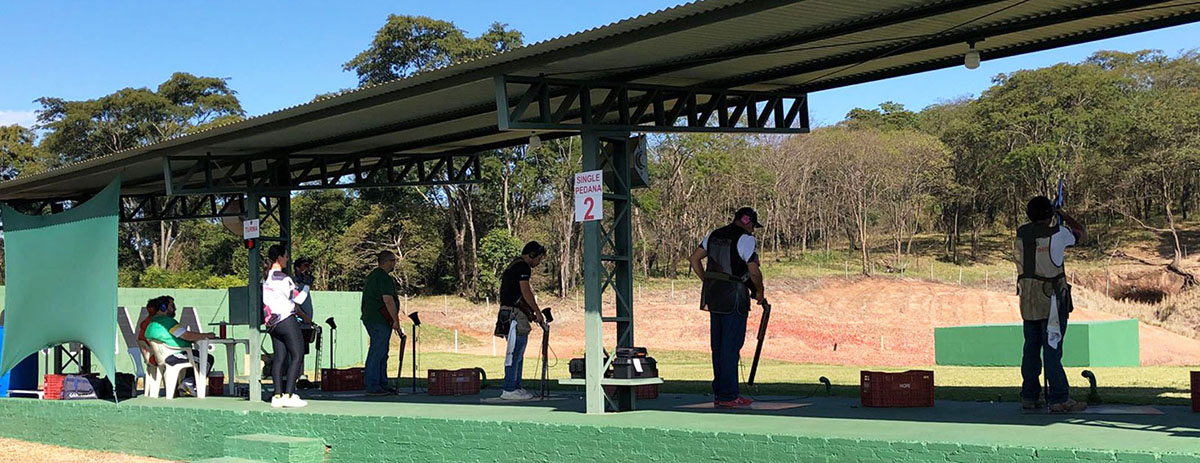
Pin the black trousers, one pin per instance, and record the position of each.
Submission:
(288, 343)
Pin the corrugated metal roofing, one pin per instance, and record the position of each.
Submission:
(797, 45)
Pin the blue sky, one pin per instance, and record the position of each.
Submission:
(279, 53)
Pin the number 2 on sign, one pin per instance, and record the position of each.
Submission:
(591, 204)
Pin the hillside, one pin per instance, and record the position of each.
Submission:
(830, 320)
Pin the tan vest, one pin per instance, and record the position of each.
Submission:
(1040, 277)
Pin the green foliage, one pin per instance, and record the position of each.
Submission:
(79, 130)
(19, 155)
(496, 250)
(407, 45)
(155, 277)
(889, 116)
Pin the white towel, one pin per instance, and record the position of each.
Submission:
(1053, 328)
(512, 343)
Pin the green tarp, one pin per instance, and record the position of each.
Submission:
(61, 282)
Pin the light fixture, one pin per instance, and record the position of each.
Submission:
(535, 141)
(971, 59)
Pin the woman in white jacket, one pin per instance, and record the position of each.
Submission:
(280, 297)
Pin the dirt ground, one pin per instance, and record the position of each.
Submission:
(15, 451)
(839, 321)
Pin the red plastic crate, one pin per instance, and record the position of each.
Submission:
(52, 389)
(1196, 391)
(216, 385)
(348, 379)
(913, 388)
(465, 381)
(643, 392)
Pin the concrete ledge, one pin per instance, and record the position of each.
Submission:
(271, 448)
(225, 460)
(829, 430)
(1107, 343)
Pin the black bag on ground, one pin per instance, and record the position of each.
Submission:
(126, 385)
(637, 367)
(80, 387)
(578, 368)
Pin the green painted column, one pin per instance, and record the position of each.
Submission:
(593, 325)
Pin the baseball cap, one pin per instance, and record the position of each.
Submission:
(747, 213)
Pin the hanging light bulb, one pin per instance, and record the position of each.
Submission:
(535, 141)
(971, 59)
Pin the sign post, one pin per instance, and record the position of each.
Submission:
(589, 196)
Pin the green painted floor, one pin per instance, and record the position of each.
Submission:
(977, 423)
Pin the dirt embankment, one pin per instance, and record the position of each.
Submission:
(854, 321)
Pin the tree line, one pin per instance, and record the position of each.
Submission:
(1122, 130)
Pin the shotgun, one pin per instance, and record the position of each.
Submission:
(762, 334)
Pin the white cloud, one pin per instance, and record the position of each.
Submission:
(23, 118)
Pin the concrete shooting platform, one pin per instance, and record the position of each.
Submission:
(424, 428)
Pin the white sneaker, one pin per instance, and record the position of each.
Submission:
(294, 401)
(514, 395)
(527, 394)
(277, 401)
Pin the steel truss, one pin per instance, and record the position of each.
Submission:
(150, 208)
(208, 174)
(607, 106)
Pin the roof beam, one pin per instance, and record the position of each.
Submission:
(800, 38)
(908, 46)
(953, 61)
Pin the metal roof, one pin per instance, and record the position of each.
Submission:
(774, 45)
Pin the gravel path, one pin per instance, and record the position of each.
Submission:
(16, 451)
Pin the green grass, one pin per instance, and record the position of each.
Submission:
(691, 373)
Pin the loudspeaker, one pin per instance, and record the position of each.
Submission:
(635, 152)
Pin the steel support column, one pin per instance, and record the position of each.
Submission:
(608, 264)
(254, 310)
(592, 298)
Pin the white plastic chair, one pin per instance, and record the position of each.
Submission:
(169, 373)
(150, 378)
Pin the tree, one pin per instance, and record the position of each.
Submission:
(496, 250)
(128, 118)
(19, 155)
(80, 130)
(407, 45)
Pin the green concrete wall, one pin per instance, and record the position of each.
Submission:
(1110, 343)
(194, 433)
(212, 305)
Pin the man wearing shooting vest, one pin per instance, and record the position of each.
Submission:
(729, 275)
(1045, 302)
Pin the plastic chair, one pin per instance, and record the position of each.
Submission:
(169, 373)
(135, 354)
(150, 382)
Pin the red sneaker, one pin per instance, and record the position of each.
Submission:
(740, 402)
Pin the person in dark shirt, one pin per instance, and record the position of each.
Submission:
(380, 317)
(727, 262)
(516, 297)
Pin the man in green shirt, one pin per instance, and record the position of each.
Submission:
(164, 329)
(380, 317)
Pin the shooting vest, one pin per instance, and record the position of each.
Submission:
(1040, 277)
(726, 274)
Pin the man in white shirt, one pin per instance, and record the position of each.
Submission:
(732, 267)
